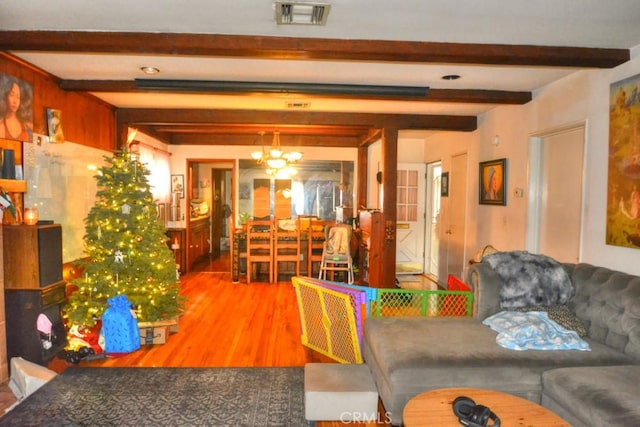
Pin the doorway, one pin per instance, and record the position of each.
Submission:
(410, 221)
(554, 212)
(210, 194)
(432, 239)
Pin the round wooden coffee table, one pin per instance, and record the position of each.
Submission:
(435, 408)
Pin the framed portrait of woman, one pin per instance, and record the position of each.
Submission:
(493, 182)
(16, 109)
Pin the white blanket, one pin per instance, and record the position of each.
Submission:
(533, 330)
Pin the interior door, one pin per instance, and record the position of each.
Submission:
(217, 214)
(555, 211)
(410, 222)
(452, 259)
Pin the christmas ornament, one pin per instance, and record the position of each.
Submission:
(119, 257)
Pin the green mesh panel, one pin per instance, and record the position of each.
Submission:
(404, 302)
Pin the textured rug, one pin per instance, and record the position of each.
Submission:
(166, 396)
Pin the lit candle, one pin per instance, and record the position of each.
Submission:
(30, 216)
(175, 245)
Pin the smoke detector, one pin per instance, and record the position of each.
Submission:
(303, 13)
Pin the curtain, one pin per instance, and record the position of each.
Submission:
(157, 161)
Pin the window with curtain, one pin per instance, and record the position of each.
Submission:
(318, 188)
(157, 161)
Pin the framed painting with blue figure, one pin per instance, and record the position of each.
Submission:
(493, 182)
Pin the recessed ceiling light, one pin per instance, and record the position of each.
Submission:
(150, 70)
(450, 77)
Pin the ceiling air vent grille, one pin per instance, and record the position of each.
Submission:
(288, 13)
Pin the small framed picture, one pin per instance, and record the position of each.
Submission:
(177, 185)
(54, 123)
(444, 184)
(492, 182)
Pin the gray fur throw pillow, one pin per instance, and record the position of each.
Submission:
(530, 279)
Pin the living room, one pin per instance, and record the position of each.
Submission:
(579, 99)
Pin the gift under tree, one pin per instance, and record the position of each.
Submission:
(126, 249)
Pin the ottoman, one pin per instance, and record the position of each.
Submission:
(344, 392)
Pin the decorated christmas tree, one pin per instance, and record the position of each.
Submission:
(126, 249)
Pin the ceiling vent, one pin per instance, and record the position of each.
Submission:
(298, 105)
(289, 13)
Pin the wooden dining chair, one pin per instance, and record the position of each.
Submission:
(259, 247)
(286, 246)
(316, 234)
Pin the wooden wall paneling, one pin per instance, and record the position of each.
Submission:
(86, 119)
(4, 363)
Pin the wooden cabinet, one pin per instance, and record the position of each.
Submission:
(33, 286)
(178, 244)
(371, 235)
(32, 256)
(198, 240)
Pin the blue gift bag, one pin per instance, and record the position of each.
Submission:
(119, 327)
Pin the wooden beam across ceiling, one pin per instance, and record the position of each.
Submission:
(474, 96)
(241, 127)
(267, 47)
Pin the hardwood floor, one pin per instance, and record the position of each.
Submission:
(227, 325)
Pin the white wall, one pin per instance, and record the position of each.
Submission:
(410, 150)
(579, 97)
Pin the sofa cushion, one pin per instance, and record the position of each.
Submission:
(598, 396)
(411, 355)
(608, 303)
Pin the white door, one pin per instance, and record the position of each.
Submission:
(410, 208)
(452, 259)
(555, 211)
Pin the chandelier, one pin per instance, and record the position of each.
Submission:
(279, 164)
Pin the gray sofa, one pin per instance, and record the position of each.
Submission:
(408, 356)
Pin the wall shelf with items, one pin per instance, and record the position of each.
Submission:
(16, 188)
(13, 185)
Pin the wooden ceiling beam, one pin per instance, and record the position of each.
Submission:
(475, 96)
(251, 140)
(258, 118)
(269, 47)
(268, 130)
